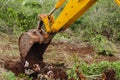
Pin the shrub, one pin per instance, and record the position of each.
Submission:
(93, 69)
(102, 45)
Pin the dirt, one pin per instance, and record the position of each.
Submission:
(86, 53)
(14, 66)
(46, 70)
(110, 74)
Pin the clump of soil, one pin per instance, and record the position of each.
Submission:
(46, 71)
(14, 66)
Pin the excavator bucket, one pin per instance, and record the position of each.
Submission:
(32, 46)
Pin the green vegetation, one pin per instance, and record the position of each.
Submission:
(20, 15)
(11, 76)
(103, 45)
(93, 69)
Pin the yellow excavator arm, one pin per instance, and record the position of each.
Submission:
(118, 2)
(34, 42)
(71, 12)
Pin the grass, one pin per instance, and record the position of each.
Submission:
(94, 69)
(8, 47)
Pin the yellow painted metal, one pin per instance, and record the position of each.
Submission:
(51, 20)
(118, 2)
(59, 3)
(72, 11)
(46, 20)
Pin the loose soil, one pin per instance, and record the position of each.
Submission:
(86, 53)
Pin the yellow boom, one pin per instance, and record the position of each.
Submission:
(72, 11)
(118, 2)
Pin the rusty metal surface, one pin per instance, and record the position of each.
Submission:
(32, 46)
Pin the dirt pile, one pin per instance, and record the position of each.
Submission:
(37, 71)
